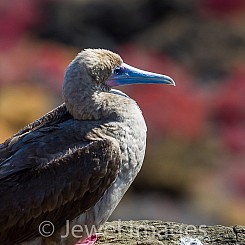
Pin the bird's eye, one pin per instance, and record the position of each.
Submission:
(118, 70)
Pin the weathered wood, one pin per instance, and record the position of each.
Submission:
(165, 233)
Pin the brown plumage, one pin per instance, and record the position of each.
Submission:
(76, 162)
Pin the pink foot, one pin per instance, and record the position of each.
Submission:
(90, 240)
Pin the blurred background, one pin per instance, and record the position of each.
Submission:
(194, 170)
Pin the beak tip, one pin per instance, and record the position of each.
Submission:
(171, 81)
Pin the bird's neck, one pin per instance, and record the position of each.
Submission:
(85, 102)
(100, 106)
(78, 94)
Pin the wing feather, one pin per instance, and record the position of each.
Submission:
(50, 171)
(72, 183)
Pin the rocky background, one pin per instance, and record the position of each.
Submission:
(194, 171)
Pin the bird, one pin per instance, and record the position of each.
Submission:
(71, 167)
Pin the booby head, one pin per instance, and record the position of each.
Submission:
(98, 70)
(99, 63)
(108, 68)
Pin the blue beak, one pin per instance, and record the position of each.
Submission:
(126, 74)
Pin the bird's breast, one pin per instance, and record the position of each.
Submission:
(128, 129)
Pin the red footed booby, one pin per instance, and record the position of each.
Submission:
(72, 166)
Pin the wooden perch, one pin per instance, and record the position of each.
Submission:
(166, 233)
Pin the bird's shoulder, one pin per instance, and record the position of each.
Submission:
(58, 114)
(53, 117)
